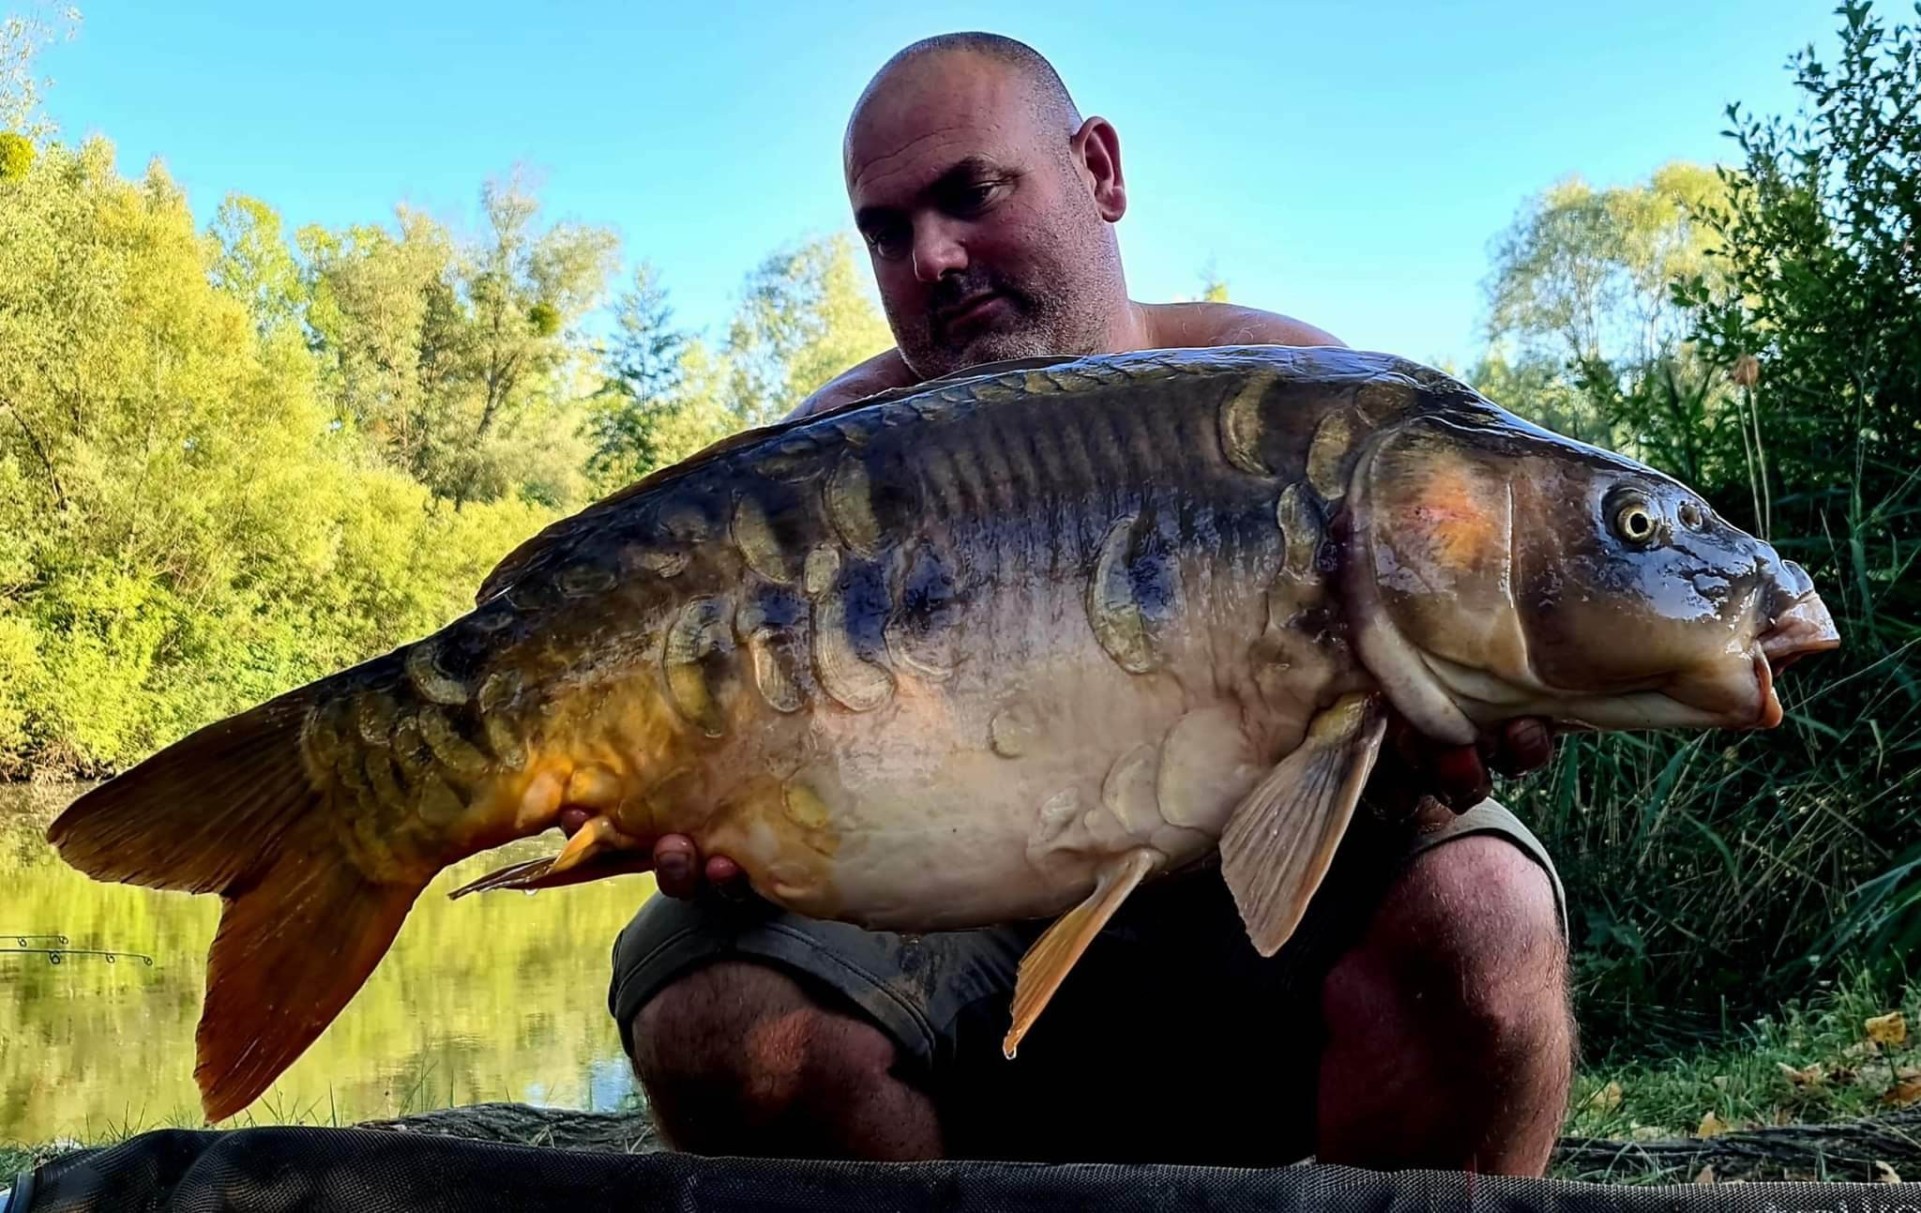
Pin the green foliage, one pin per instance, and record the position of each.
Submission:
(1584, 273)
(231, 463)
(458, 358)
(805, 318)
(1716, 875)
(16, 155)
(184, 534)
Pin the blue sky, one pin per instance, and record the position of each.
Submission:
(1345, 163)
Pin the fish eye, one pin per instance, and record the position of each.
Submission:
(1635, 522)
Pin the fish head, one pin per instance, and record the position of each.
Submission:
(1496, 570)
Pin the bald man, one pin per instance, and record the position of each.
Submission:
(1418, 1017)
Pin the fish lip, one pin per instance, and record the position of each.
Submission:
(1805, 627)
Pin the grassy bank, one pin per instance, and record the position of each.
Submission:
(1845, 1052)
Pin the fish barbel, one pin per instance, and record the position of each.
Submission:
(998, 647)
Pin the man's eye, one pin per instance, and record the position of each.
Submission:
(889, 243)
(970, 199)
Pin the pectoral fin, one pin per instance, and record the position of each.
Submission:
(1054, 953)
(1281, 838)
(599, 848)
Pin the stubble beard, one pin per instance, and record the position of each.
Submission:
(1040, 327)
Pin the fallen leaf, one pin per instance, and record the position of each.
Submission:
(1857, 1050)
(1843, 1076)
(1711, 1126)
(1904, 1091)
(1607, 1098)
(1886, 1174)
(1720, 1082)
(1807, 1076)
(1647, 1133)
(1706, 1175)
(1889, 1029)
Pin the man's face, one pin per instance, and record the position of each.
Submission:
(985, 239)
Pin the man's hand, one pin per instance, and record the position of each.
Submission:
(1410, 767)
(679, 872)
(677, 867)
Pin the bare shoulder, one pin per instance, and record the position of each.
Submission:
(882, 372)
(1182, 325)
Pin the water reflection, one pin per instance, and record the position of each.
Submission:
(499, 996)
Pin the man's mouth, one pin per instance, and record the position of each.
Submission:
(970, 311)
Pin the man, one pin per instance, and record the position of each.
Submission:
(1417, 1018)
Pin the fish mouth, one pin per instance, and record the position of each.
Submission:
(1804, 628)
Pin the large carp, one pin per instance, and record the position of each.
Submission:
(998, 647)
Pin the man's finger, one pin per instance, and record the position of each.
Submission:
(1525, 745)
(676, 866)
(724, 874)
(1460, 777)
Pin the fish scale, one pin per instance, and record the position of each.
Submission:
(995, 647)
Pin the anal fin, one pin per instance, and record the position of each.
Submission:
(1054, 953)
(1282, 836)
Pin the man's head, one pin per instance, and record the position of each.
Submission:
(986, 204)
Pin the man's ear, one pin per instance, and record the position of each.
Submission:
(1097, 147)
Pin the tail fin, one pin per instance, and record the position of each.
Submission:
(292, 951)
(202, 814)
(231, 809)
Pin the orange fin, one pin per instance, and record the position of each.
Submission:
(599, 848)
(230, 809)
(1282, 836)
(202, 814)
(1046, 964)
(272, 986)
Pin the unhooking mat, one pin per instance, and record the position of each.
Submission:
(278, 1170)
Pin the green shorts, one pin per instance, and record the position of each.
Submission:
(1167, 1018)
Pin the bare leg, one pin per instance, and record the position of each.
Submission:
(1450, 1040)
(736, 1058)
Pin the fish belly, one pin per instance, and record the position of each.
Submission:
(1004, 798)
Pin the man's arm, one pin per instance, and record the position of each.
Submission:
(880, 373)
(1187, 325)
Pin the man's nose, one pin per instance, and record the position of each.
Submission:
(937, 252)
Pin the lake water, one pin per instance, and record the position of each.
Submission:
(496, 996)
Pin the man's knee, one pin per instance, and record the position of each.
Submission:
(1468, 944)
(735, 1052)
(1449, 1040)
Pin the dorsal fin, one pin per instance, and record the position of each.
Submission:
(518, 562)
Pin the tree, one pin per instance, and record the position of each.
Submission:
(643, 389)
(1584, 274)
(21, 38)
(382, 324)
(1792, 401)
(523, 293)
(255, 265)
(803, 319)
(462, 361)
